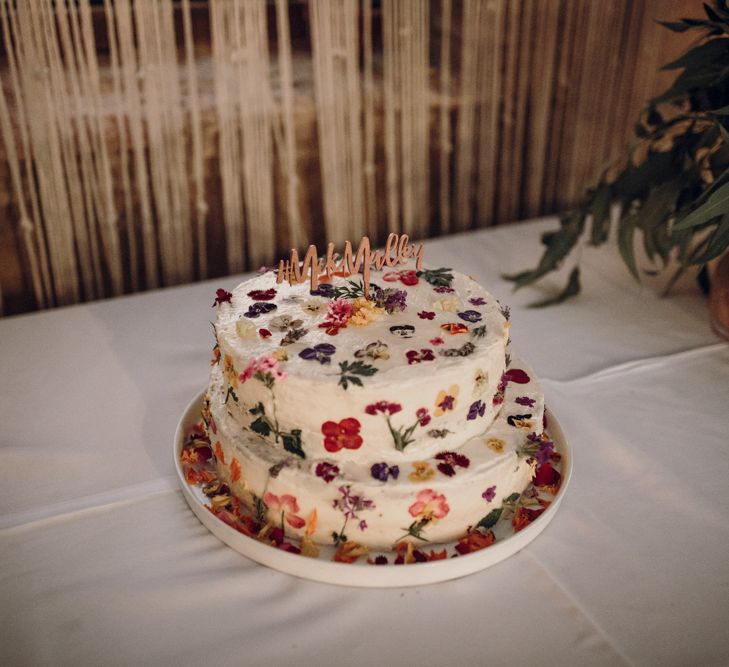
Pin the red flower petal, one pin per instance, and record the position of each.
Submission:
(546, 475)
(264, 333)
(516, 375)
(330, 428)
(262, 295)
(332, 444)
(351, 441)
(409, 278)
(349, 426)
(446, 469)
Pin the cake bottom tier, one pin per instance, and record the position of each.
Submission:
(433, 500)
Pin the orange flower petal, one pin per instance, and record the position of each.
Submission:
(234, 470)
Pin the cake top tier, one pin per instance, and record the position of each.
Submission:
(415, 324)
(415, 368)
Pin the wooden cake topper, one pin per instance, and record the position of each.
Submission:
(397, 251)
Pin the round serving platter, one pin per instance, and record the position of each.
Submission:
(363, 573)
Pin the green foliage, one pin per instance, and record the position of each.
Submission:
(437, 277)
(670, 189)
(491, 519)
(292, 442)
(352, 290)
(479, 332)
(260, 424)
(265, 426)
(349, 372)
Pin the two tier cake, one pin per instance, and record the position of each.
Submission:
(370, 414)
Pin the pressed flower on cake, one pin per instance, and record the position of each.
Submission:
(401, 435)
(287, 505)
(364, 311)
(429, 507)
(341, 435)
(422, 472)
(446, 400)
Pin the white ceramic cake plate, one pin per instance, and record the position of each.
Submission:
(362, 573)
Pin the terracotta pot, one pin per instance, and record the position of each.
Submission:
(719, 297)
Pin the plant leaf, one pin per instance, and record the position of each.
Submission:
(700, 56)
(601, 215)
(722, 111)
(688, 81)
(654, 213)
(626, 233)
(724, 133)
(716, 204)
(676, 26)
(718, 242)
(571, 289)
(559, 243)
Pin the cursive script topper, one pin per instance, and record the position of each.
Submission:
(397, 251)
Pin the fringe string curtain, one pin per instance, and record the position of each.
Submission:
(152, 142)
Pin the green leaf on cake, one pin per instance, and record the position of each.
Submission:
(479, 332)
(349, 372)
(352, 290)
(491, 519)
(512, 498)
(437, 277)
(261, 426)
(231, 394)
(292, 442)
(258, 409)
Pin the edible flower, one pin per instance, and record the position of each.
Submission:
(341, 435)
(449, 461)
(322, 353)
(364, 311)
(287, 505)
(262, 295)
(222, 296)
(429, 505)
(446, 400)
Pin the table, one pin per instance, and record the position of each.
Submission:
(103, 563)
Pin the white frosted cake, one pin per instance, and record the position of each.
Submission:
(354, 420)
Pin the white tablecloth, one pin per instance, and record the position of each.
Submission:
(103, 563)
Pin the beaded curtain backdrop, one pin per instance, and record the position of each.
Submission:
(154, 142)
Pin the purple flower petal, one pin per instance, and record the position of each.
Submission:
(323, 289)
(476, 409)
(470, 316)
